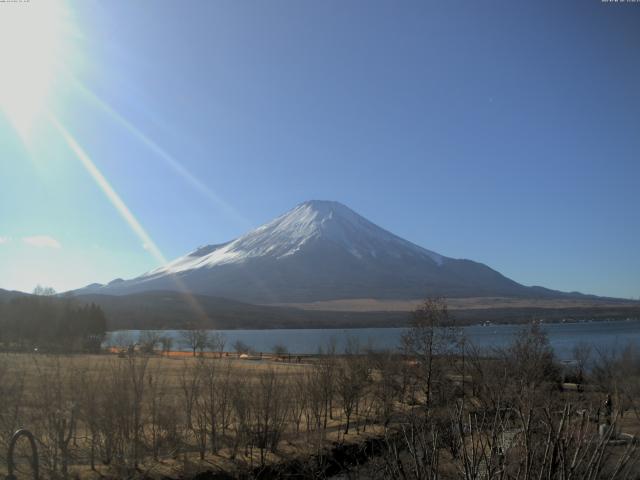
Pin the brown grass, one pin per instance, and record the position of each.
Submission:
(471, 303)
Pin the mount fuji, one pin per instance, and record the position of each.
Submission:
(322, 250)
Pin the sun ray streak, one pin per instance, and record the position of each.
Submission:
(174, 164)
(126, 213)
(108, 190)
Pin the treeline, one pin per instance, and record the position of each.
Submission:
(49, 323)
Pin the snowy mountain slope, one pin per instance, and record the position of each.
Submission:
(321, 250)
(289, 233)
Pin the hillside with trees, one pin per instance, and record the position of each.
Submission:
(48, 323)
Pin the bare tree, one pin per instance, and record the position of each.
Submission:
(431, 337)
(190, 386)
(217, 342)
(315, 393)
(57, 400)
(196, 339)
(200, 411)
(352, 376)
(122, 341)
(44, 291)
(581, 355)
(530, 364)
(240, 347)
(89, 412)
(617, 371)
(327, 380)
(270, 412)
(136, 370)
(412, 451)
(156, 402)
(148, 341)
(242, 411)
(214, 399)
(167, 342)
(279, 350)
(298, 400)
(387, 389)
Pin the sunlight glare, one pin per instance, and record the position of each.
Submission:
(161, 153)
(31, 46)
(111, 194)
(125, 213)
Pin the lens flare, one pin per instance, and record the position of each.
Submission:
(32, 45)
(126, 214)
(108, 190)
(161, 153)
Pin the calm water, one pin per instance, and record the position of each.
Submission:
(563, 336)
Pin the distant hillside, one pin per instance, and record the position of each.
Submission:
(172, 310)
(6, 295)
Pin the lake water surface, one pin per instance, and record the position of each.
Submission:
(562, 336)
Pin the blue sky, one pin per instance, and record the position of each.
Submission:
(504, 132)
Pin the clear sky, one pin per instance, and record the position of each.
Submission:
(501, 131)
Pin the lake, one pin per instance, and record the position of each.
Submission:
(562, 336)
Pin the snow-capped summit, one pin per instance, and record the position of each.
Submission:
(320, 250)
(290, 233)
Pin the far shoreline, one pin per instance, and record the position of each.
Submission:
(390, 326)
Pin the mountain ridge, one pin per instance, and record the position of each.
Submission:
(322, 250)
